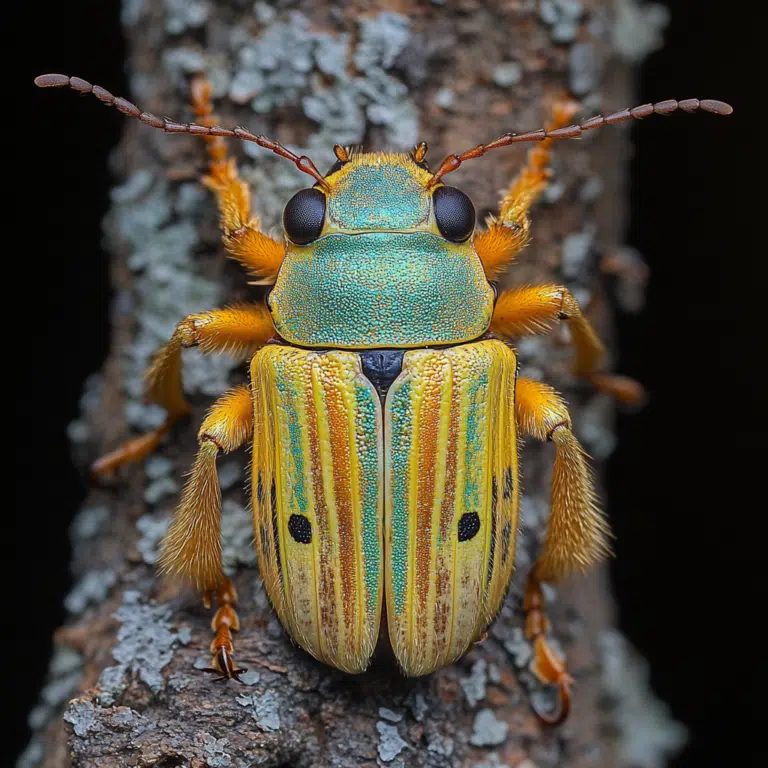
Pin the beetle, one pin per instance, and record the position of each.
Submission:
(384, 404)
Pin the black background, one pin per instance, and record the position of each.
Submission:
(688, 574)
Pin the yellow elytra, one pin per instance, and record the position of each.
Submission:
(383, 405)
(408, 501)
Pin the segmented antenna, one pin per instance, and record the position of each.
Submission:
(303, 163)
(341, 153)
(452, 162)
(420, 152)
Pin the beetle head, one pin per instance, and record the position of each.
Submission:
(378, 192)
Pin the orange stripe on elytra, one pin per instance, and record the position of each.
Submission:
(338, 425)
(326, 592)
(429, 423)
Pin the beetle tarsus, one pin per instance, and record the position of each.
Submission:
(548, 667)
(224, 667)
(563, 709)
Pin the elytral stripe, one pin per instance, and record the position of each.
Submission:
(429, 476)
(371, 484)
(397, 494)
(494, 396)
(448, 520)
(262, 377)
(441, 581)
(425, 454)
(293, 499)
(472, 454)
(328, 586)
(505, 469)
(341, 431)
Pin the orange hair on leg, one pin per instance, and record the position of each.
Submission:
(577, 533)
(530, 310)
(238, 331)
(191, 549)
(259, 253)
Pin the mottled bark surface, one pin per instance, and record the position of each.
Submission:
(385, 75)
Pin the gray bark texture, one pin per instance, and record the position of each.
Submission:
(125, 687)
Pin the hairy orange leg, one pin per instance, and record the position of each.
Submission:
(191, 550)
(577, 533)
(237, 331)
(260, 254)
(529, 310)
(508, 233)
(536, 309)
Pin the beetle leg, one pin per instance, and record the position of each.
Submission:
(508, 233)
(225, 621)
(259, 253)
(238, 331)
(530, 310)
(191, 549)
(133, 450)
(548, 666)
(577, 533)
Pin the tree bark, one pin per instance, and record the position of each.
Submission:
(383, 74)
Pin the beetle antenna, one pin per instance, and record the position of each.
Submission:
(302, 162)
(342, 155)
(452, 162)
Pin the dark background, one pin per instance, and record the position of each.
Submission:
(679, 496)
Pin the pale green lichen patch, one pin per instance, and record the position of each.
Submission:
(391, 744)
(92, 588)
(474, 685)
(145, 644)
(161, 254)
(81, 715)
(488, 730)
(264, 709)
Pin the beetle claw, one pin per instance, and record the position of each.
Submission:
(563, 709)
(224, 666)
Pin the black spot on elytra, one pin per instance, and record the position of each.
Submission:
(506, 541)
(469, 525)
(509, 484)
(300, 528)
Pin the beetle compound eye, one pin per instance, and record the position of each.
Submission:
(304, 216)
(454, 213)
